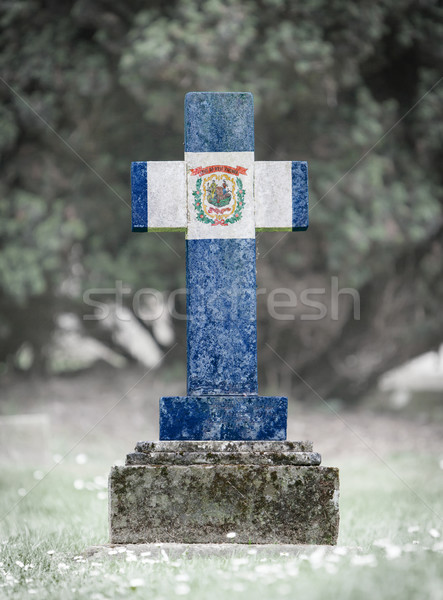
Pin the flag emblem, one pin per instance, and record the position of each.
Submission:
(219, 195)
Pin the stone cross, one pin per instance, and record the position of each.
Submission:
(220, 197)
(223, 470)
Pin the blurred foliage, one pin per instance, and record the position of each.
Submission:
(88, 87)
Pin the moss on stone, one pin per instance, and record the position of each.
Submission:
(197, 503)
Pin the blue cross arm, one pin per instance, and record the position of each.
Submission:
(281, 195)
(158, 196)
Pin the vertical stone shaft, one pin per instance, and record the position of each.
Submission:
(221, 285)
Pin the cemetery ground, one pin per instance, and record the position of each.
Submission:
(53, 500)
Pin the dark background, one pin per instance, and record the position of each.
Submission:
(351, 87)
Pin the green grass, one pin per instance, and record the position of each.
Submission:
(375, 505)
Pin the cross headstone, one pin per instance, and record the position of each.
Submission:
(220, 196)
(222, 466)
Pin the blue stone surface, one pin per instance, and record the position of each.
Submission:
(222, 401)
(219, 122)
(223, 418)
(222, 314)
(300, 214)
(139, 196)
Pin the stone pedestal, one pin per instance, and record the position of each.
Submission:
(223, 417)
(265, 492)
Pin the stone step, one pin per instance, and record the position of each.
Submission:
(224, 458)
(224, 446)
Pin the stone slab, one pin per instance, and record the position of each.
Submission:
(202, 504)
(223, 446)
(224, 458)
(223, 417)
(219, 122)
(224, 452)
(222, 316)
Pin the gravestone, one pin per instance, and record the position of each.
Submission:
(223, 464)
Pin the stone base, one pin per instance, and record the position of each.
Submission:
(199, 492)
(223, 417)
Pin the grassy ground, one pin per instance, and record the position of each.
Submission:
(399, 554)
(391, 534)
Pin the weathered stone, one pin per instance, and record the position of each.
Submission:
(234, 417)
(220, 196)
(223, 446)
(198, 493)
(216, 458)
(202, 504)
